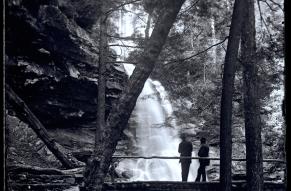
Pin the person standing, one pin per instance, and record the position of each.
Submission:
(185, 149)
(203, 152)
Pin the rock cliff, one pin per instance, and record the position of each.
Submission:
(51, 62)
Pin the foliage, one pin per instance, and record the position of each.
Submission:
(195, 84)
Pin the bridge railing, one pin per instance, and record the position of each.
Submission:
(176, 157)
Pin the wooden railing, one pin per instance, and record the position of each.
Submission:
(176, 157)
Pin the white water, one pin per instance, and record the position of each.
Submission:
(154, 138)
(152, 110)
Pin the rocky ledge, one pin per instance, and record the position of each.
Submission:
(52, 61)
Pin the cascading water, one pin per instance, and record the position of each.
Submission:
(156, 131)
(156, 135)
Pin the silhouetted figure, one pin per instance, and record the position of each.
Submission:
(185, 150)
(203, 152)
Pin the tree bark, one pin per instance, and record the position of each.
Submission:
(101, 85)
(251, 101)
(23, 111)
(121, 111)
(227, 95)
(100, 128)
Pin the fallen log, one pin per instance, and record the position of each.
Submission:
(39, 170)
(40, 186)
(24, 112)
(79, 170)
(33, 170)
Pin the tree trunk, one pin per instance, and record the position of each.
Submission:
(101, 85)
(251, 101)
(227, 95)
(24, 112)
(100, 128)
(121, 111)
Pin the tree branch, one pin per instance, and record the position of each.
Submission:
(188, 8)
(128, 46)
(124, 38)
(121, 5)
(122, 62)
(198, 53)
(263, 20)
(278, 5)
(135, 14)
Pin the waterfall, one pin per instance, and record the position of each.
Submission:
(156, 130)
(156, 135)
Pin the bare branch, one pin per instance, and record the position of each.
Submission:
(121, 5)
(188, 8)
(135, 14)
(122, 62)
(271, 8)
(275, 3)
(124, 38)
(126, 46)
(198, 53)
(263, 20)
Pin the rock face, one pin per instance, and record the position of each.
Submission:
(51, 62)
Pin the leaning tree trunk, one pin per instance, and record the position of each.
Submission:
(251, 102)
(121, 111)
(24, 112)
(227, 94)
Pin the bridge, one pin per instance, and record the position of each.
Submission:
(73, 182)
(237, 185)
(185, 186)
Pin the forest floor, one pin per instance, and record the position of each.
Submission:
(25, 148)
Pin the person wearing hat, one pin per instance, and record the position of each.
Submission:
(185, 149)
